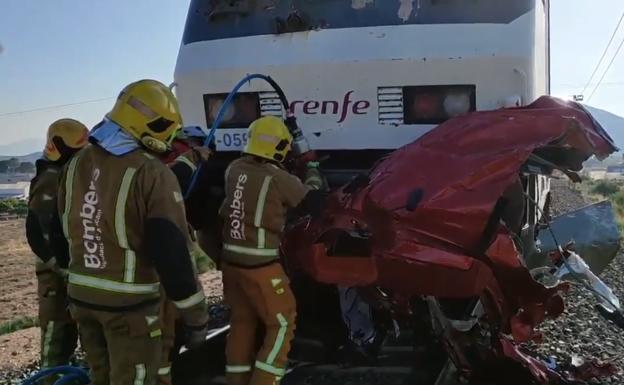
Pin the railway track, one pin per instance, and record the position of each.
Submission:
(311, 364)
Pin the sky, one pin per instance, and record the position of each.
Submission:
(65, 51)
(57, 52)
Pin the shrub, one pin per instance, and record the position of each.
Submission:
(13, 206)
(20, 323)
(21, 209)
(618, 199)
(605, 188)
(6, 205)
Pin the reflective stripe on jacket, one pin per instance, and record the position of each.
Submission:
(258, 194)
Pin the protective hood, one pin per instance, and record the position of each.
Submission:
(112, 138)
(192, 132)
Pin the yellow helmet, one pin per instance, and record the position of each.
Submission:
(148, 110)
(65, 136)
(268, 138)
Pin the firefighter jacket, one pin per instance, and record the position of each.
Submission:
(202, 203)
(41, 209)
(201, 209)
(258, 195)
(123, 217)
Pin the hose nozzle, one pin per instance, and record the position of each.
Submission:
(300, 143)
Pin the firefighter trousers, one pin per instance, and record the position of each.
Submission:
(168, 316)
(59, 334)
(258, 296)
(121, 347)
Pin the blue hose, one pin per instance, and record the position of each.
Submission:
(223, 109)
(70, 373)
(72, 379)
(228, 101)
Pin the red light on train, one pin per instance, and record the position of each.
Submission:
(436, 104)
(426, 106)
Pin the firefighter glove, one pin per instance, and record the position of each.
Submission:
(195, 336)
(203, 153)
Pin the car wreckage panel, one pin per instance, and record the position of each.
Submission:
(593, 230)
(431, 219)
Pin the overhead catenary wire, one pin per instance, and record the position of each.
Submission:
(577, 85)
(604, 54)
(617, 51)
(53, 107)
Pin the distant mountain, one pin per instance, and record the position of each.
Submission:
(21, 147)
(31, 158)
(612, 123)
(613, 160)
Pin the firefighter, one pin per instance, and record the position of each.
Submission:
(203, 202)
(186, 154)
(123, 216)
(259, 191)
(58, 331)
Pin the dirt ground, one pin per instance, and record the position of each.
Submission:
(19, 349)
(18, 297)
(17, 273)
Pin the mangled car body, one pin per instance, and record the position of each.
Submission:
(436, 238)
(442, 221)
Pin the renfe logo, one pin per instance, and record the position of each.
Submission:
(332, 107)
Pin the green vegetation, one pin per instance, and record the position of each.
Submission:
(20, 323)
(605, 188)
(612, 190)
(13, 206)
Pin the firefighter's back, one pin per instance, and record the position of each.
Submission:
(103, 206)
(254, 211)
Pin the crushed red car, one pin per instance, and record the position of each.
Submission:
(441, 251)
(445, 221)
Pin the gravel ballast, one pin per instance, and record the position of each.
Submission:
(581, 332)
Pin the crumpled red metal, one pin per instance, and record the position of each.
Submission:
(425, 214)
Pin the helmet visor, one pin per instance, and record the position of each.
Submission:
(159, 125)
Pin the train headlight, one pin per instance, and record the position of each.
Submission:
(456, 104)
(244, 109)
(214, 105)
